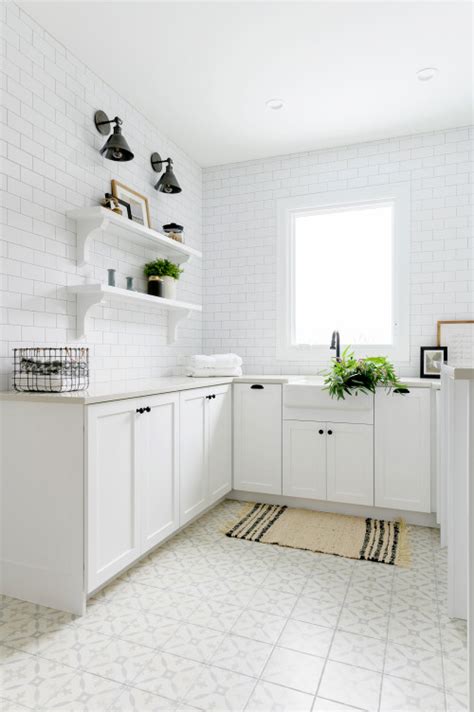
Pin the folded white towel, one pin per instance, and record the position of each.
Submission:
(213, 372)
(215, 361)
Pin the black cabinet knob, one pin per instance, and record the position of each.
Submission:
(321, 432)
(139, 410)
(329, 432)
(147, 409)
(213, 395)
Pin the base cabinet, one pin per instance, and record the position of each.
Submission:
(205, 448)
(132, 482)
(258, 437)
(304, 459)
(350, 463)
(328, 461)
(402, 450)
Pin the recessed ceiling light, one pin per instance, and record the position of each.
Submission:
(426, 74)
(275, 104)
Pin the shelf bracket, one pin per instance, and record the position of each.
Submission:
(84, 303)
(174, 317)
(87, 231)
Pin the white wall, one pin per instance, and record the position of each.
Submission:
(50, 163)
(240, 208)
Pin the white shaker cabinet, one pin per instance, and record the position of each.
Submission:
(257, 437)
(205, 448)
(350, 463)
(132, 483)
(158, 457)
(304, 459)
(402, 450)
(328, 461)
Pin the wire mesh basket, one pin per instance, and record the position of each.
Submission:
(50, 370)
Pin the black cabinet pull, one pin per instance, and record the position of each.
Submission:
(321, 432)
(139, 410)
(208, 397)
(213, 395)
(257, 387)
(329, 432)
(147, 409)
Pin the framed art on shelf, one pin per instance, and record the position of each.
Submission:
(139, 208)
(431, 360)
(458, 336)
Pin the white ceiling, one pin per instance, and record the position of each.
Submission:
(202, 71)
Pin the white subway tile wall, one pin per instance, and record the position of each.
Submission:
(50, 163)
(240, 210)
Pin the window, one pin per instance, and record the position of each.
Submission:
(343, 265)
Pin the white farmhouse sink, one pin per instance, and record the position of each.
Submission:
(306, 399)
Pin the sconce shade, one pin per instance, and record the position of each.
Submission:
(116, 147)
(168, 182)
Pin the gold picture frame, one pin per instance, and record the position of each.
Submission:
(140, 209)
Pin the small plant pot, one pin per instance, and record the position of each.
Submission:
(155, 286)
(169, 288)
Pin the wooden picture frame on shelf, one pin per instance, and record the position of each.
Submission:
(458, 336)
(139, 208)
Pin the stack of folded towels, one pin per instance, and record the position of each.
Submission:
(202, 366)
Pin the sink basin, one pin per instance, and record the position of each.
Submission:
(306, 399)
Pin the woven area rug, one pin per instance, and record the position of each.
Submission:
(353, 537)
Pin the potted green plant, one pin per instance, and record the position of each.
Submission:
(350, 376)
(162, 277)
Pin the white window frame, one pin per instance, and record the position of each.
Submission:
(397, 195)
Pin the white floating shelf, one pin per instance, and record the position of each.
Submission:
(95, 221)
(88, 295)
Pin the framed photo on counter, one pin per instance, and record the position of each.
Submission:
(431, 360)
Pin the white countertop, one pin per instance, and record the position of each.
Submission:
(459, 372)
(137, 388)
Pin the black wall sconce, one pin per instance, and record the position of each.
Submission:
(115, 148)
(168, 182)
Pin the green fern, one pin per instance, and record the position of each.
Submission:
(350, 376)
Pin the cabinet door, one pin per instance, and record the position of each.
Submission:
(219, 442)
(402, 450)
(193, 484)
(257, 437)
(350, 463)
(304, 459)
(113, 537)
(158, 457)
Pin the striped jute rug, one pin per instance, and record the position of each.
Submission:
(353, 537)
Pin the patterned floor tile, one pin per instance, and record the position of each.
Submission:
(306, 638)
(31, 681)
(273, 698)
(85, 693)
(259, 626)
(316, 612)
(148, 629)
(242, 655)
(358, 650)
(398, 695)
(168, 675)
(119, 660)
(133, 700)
(201, 595)
(424, 666)
(194, 642)
(291, 668)
(220, 690)
(351, 685)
